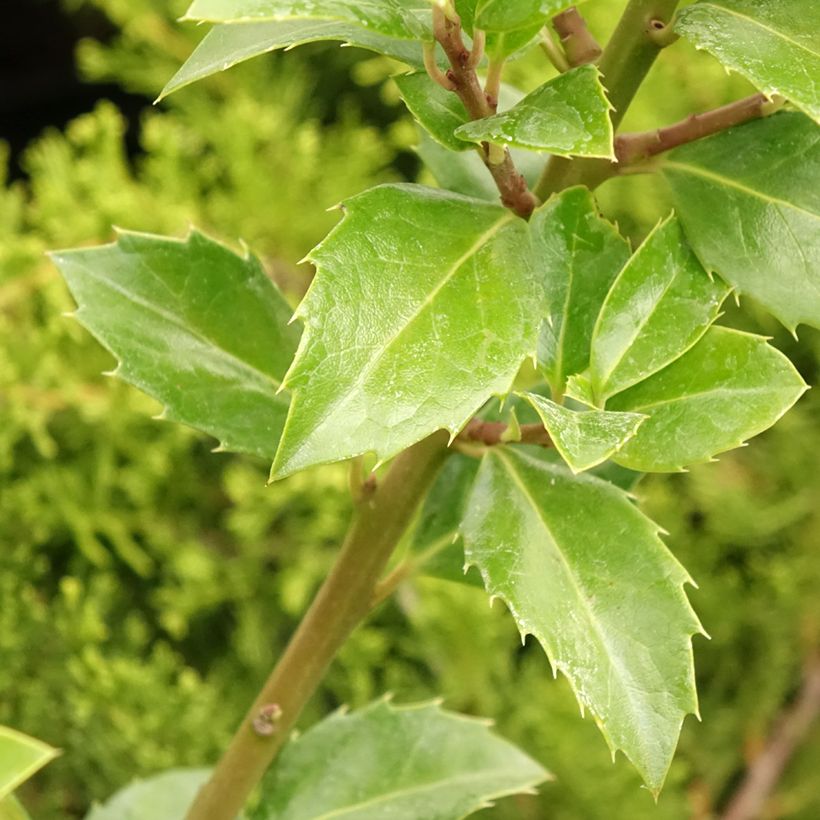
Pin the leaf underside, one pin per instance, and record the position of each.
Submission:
(198, 327)
(404, 763)
(775, 44)
(582, 570)
(749, 202)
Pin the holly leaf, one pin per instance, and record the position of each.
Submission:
(775, 44)
(228, 44)
(404, 19)
(21, 756)
(749, 201)
(510, 15)
(403, 762)
(588, 438)
(436, 542)
(568, 116)
(583, 570)
(581, 254)
(165, 796)
(729, 387)
(424, 305)
(193, 324)
(661, 303)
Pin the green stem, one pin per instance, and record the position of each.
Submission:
(340, 605)
(626, 60)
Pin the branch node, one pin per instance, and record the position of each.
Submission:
(662, 34)
(267, 720)
(434, 72)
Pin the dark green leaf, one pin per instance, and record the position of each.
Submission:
(402, 763)
(583, 570)
(749, 201)
(198, 327)
(581, 255)
(569, 115)
(775, 44)
(424, 305)
(661, 303)
(228, 44)
(20, 757)
(165, 796)
(729, 387)
(587, 438)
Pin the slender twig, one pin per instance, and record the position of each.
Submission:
(632, 148)
(491, 433)
(579, 44)
(625, 62)
(511, 185)
(492, 85)
(340, 605)
(749, 801)
(554, 54)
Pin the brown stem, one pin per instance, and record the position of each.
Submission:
(515, 194)
(631, 148)
(579, 44)
(490, 433)
(340, 605)
(749, 800)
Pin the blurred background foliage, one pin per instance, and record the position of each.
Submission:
(146, 584)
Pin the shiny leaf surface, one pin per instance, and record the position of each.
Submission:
(775, 44)
(749, 201)
(402, 763)
(661, 303)
(583, 570)
(198, 327)
(404, 19)
(424, 305)
(228, 44)
(509, 15)
(165, 796)
(581, 255)
(587, 438)
(568, 116)
(20, 757)
(729, 387)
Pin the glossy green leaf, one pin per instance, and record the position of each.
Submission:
(568, 116)
(749, 201)
(661, 303)
(583, 570)
(587, 438)
(20, 757)
(198, 327)
(436, 540)
(408, 19)
(509, 15)
(165, 796)
(581, 254)
(397, 762)
(228, 44)
(729, 387)
(424, 305)
(775, 44)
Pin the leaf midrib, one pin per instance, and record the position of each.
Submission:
(716, 392)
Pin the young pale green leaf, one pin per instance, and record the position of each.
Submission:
(12, 809)
(661, 303)
(228, 44)
(424, 305)
(729, 387)
(510, 15)
(775, 44)
(568, 116)
(404, 763)
(583, 570)
(587, 438)
(20, 757)
(404, 19)
(749, 201)
(198, 327)
(165, 796)
(581, 254)
(436, 541)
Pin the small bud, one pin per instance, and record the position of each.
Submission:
(265, 723)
